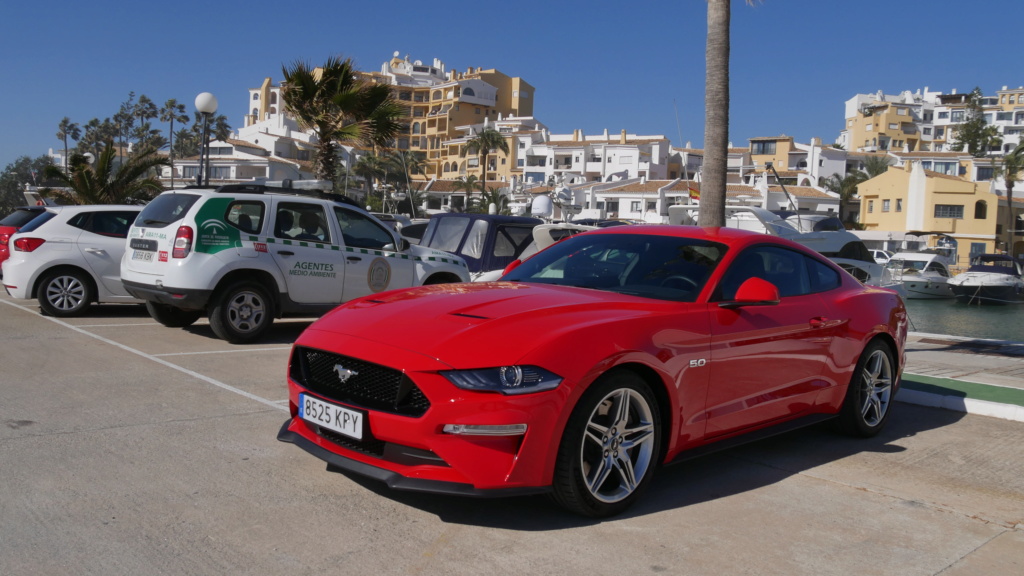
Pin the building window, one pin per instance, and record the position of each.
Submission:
(899, 204)
(1004, 116)
(980, 210)
(949, 211)
(947, 168)
(985, 173)
(871, 206)
(940, 133)
(762, 148)
(256, 96)
(926, 131)
(893, 126)
(943, 115)
(957, 116)
(885, 205)
(869, 127)
(634, 206)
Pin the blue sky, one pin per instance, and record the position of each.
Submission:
(627, 65)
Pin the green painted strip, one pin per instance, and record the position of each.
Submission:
(962, 389)
(363, 251)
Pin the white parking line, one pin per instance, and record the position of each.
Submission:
(116, 325)
(276, 404)
(222, 351)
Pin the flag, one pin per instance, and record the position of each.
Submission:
(694, 192)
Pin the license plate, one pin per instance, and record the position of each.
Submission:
(331, 416)
(142, 255)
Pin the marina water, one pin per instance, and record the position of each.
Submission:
(966, 320)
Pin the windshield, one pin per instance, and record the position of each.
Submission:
(661, 267)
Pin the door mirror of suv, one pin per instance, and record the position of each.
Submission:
(403, 245)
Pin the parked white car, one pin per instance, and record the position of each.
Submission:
(246, 254)
(69, 257)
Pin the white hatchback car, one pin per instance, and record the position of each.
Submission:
(69, 257)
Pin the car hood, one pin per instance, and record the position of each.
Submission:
(482, 324)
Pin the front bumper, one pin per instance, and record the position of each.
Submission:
(183, 298)
(409, 449)
(339, 463)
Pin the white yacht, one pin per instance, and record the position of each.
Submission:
(991, 279)
(924, 274)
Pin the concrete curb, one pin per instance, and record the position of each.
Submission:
(962, 396)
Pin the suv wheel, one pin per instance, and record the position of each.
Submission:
(172, 317)
(65, 293)
(241, 313)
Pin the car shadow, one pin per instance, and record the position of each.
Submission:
(281, 332)
(707, 478)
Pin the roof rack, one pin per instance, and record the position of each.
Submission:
(315, 188)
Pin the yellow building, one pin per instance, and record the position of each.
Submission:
(446, 106)
(913, 199)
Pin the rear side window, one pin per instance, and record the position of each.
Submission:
(19, 218)
(38, 221)
(166, 209)
(246, 215)
(114, 224)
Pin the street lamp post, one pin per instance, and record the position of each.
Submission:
(206, 104)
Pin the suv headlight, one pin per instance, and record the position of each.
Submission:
(506, 379)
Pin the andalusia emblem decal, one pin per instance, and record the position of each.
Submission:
(380, 275)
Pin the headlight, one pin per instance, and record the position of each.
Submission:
(506, 379)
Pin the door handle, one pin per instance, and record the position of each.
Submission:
(822, 322)
(354, 259)
(286, 253)
(96, 251)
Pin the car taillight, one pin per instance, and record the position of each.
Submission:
(182, 242)
(28, 244)
(4, 238)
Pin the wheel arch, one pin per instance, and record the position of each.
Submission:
(34, 292)
(262, 277)
(442, 277)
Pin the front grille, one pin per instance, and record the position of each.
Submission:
(368, 385)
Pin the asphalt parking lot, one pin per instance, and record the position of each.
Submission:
(131, 448)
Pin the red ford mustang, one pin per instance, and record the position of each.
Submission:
(593, 362)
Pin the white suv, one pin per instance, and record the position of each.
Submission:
(245, 254)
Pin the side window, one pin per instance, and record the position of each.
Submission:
(511, 239)
(112, 224)
(246, 215)
(303, 222)
(786, 269)
(361, 231)
(823, 277)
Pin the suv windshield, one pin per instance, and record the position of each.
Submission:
(166, 209)
(661, 267)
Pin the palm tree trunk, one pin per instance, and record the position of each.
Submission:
(716, 116)
(1011, 220)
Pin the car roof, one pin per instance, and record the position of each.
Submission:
(724, 235)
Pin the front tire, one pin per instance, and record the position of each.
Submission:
(172, 317)
(242, 312)
(610, 447)
(65, 293)
(869, 397)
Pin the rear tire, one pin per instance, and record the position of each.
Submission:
(65, 293)
(610, 447)
(172, 317)
(869, 397)
(242, 312)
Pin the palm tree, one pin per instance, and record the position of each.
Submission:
(875, 165)
(132, 182)
(171, 112)
(67, 129)
(469, 184)
(488, 139)
(844, 186)
(403, 164)
(370, 168)
(1011, 168)
(339, 107)
(716, 115)
(493, 195)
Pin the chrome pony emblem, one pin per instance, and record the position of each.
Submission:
(344, 373)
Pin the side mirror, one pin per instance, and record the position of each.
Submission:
(754, 292)
(402, 246)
